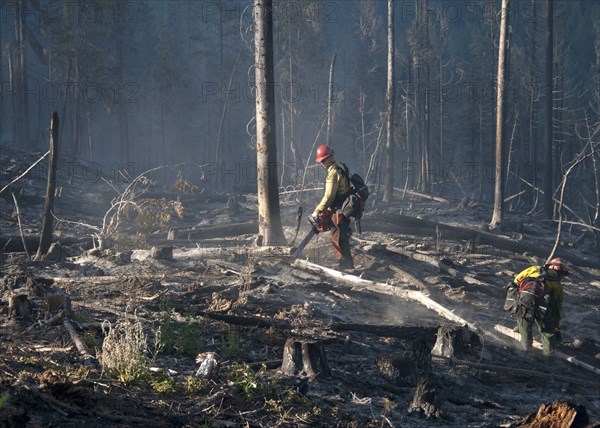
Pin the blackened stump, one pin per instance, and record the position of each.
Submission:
(302, 357)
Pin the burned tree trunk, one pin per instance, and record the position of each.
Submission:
(302, 357)
(454, 340)
(19, 306)
(549, 101)
(269, 216)
(46, 236)
(330, 103)
(388, 190)
(500, 103)
(557, 414)
(428, 399)
(408, 367)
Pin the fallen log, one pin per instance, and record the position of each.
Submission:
(217, 231)
(415, 225)
(443, 265)
(421, 195)
(83, 351)
(14, 244)
(518, 371)
(515, 335)
(401, 332)
(395, 291)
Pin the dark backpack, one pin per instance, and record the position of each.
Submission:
(354, 204)
(533, 300)
(534, 286)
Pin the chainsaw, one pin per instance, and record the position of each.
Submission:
(321, 224)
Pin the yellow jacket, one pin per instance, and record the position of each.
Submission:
(554, 286)
(336, 184)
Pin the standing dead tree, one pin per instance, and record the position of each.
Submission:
(500, 101)
(46, 236)
(578, 159)
(330, 102)
(388, 190)
(269, 217)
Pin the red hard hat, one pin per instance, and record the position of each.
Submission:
(323, 152)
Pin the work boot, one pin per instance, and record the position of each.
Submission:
(346, 263)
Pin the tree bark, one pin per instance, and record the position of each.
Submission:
(548, 202)
(388, 190)
(269, 218)
(330, 102)
(305, 357)
(533, 109)
(46, 236)
(500, 94)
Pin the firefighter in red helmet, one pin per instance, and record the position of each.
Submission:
(535, 296)
(337, 188)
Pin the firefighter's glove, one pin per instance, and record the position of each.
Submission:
(558, 335)
(314, 217)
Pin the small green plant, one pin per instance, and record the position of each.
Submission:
(181, 338)
(3, 399)
(231, 343)
(194, 385)
(124, 352)
(164, 384)
(245, 380)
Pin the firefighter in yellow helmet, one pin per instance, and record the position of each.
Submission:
(337, 189)
(537, 296)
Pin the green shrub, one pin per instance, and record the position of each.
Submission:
(125, 354)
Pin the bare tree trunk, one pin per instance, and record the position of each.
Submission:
(46, 236)
(498, 186)
(295, 154)
(22, 63)
(269, 218)
(480, 164)
(13, 109)
(548, 203)
(388, 190)
(330, 102)
(533, 149)
(90, 132)
(1, 86)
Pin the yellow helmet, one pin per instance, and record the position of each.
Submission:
(558, 265)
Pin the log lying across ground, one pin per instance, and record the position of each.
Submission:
(395, 291)
(217, 231)
(519, 371)
(413, 225)
(510, 333)
(401, 332)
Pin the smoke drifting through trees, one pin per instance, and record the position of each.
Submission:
(141, 83)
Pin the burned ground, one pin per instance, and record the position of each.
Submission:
(217, 298)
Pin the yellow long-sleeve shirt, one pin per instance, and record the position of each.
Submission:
(554, 286)
(336, 184)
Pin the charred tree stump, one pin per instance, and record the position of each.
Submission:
(46, 236)
(19, 306)
(56, 302)
(455, 340)
(557, 414)
(428, 399)
(301, 357)
(161, 253)
(407, 367)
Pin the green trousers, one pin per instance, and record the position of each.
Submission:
(546, 334)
